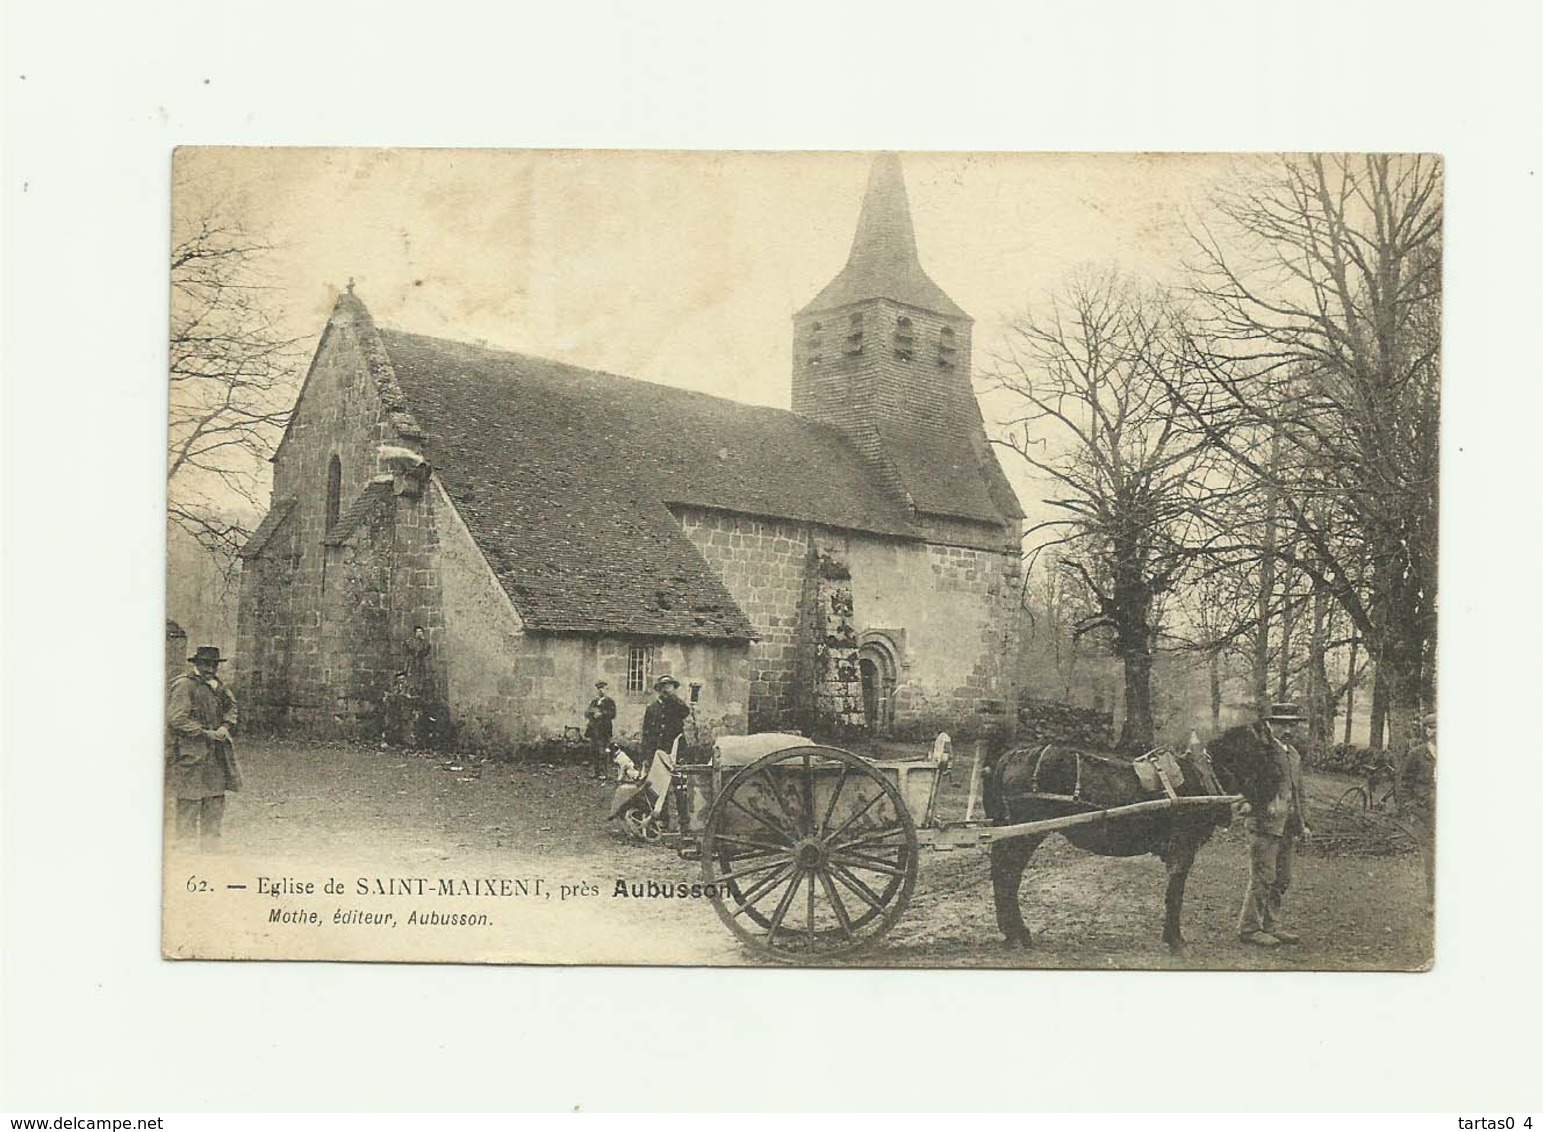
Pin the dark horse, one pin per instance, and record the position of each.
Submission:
(1032, 783)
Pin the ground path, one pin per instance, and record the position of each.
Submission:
(356, 812)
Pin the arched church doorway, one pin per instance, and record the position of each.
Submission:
(877, 676)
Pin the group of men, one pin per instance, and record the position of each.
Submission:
(664, 722)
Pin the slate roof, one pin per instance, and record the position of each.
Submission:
(940, 473)
(376, 493)
(565, 476)
(277, 513)
(883, 262)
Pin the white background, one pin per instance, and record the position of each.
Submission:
(95, 98)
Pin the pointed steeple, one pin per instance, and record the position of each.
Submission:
(883, 262)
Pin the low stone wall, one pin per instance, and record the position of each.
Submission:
(1049, 721)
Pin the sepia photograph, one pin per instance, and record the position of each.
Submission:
(859, 559)
(876, 559)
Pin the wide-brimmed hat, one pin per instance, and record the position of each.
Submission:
(1285, 713)
(600, 683)
(206, 654)
(663, 680)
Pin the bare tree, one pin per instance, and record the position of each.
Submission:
(1057, 604)
(1216, 617)
(1097, 421)
(232, 380)
(1321, 286)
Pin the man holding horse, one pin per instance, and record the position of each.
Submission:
(1275, 825)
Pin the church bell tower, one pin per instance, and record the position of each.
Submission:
(884, 355)
(882, 343)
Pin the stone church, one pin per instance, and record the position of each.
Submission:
(851, 563)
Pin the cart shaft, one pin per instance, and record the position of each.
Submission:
(947, 837)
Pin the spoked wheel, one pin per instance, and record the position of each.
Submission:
(810, 853)
(640, 824)
(1355, 802)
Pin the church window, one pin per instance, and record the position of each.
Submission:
(334, 491)
(812, 344)
(855, 333)
(637, 668)
(946, 350)
(904, 342)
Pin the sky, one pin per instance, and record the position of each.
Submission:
(682, 268)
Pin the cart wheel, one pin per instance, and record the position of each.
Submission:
(809, 854)
(640, 824)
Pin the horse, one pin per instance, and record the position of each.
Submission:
(1033, 783)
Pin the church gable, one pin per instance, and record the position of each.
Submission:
(348, 408)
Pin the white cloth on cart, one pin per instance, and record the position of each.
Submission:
(742, 750)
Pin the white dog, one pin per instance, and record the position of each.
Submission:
(627, 770)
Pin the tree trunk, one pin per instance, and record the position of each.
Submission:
(1136, 732)
(1262, 643)
(1214, 667)
(1380, 706)
(1350, 689)
(1404, 659)
(1321, 712)
(1284, 660)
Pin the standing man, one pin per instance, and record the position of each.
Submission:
(200, 756)
(418, 660)
(401, 714)
(598, 721)
(427, 731)
(1274, 834)
(664, 721)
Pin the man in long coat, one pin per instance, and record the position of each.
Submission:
(1273, 835)
(664, 721)
(599, 719)
(200, 756)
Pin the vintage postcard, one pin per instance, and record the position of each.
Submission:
(925, 559)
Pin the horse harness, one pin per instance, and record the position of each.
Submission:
(1158, 772)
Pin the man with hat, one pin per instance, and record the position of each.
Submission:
(1274, 833)
(664, 721)
(200, 757)
(598, 720)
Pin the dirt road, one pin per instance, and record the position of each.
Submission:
(312, 812)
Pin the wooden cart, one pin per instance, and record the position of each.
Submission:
(810, 853)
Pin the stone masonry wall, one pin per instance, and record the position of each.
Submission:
(1048, 721)
(838, 690)
(323, 628)
(763, 563)
(950, 604)
(356, 662)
